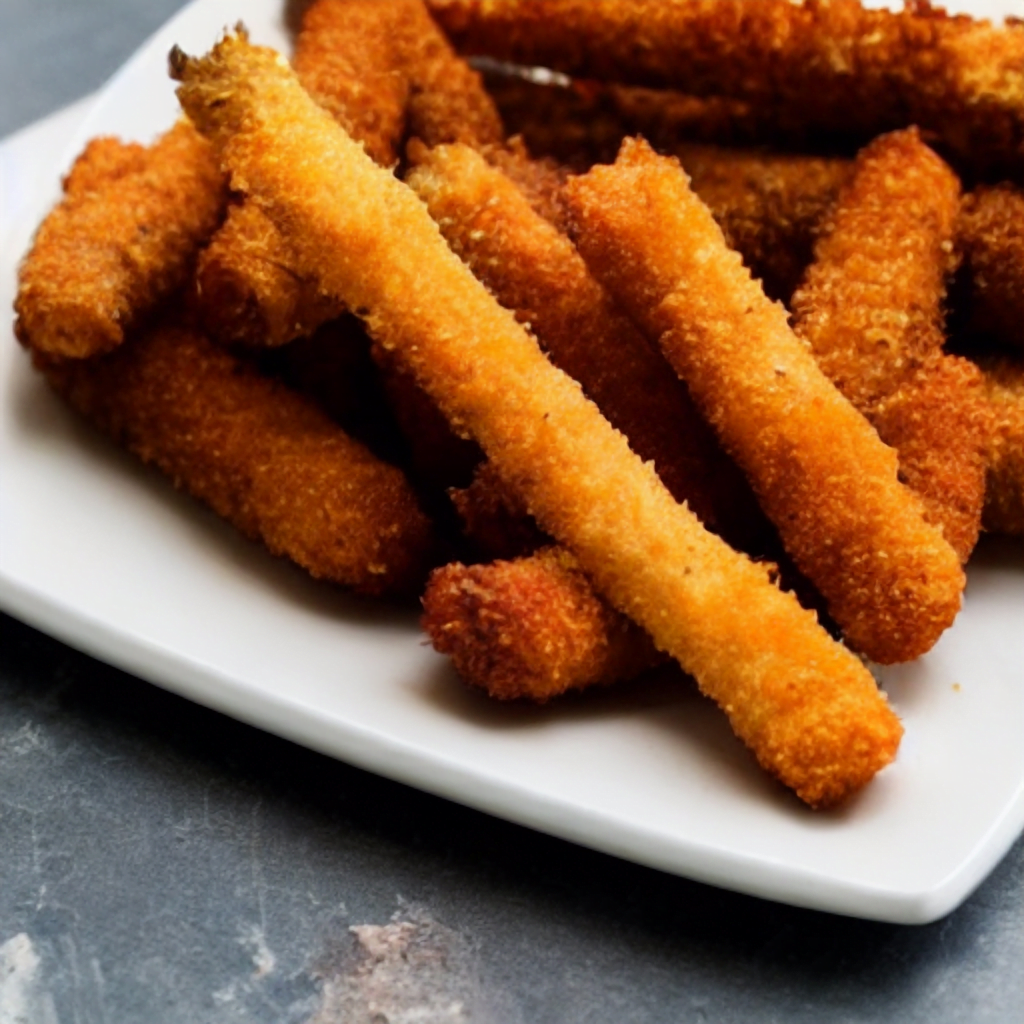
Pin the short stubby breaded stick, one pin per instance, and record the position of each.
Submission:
(822, 475)
(493, 519)
(247, 291)
(121, 240)
(261, 456)
(871, 309)
(1004, 445)
(531, 628)
(991, 236)
(829, 67)
(805, 705)
(534, 270)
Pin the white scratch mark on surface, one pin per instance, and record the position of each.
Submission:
(23, 741)
(412, 970)
(20, 1000)
(255, 941)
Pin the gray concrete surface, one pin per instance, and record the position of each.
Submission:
(162, 863)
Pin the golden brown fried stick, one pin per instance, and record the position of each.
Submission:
(827, 67)
(247, 290)
(822, 475)
(347, 58)
(534, 270)
(1004, 447)
(871, 309)
(804, 704)
(120, 241)
(258, 454)
(991, 233)
(531, 628)
(381, 68)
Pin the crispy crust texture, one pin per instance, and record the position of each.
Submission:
(122, 239)
(535, 271)
(804, 704)
(824, 66)
(531, 628)
(258, 454)
(247, 291)
(871, 309)
(1004, 448)
(824, 478)
(991, 232)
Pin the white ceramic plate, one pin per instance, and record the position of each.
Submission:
(108, 557)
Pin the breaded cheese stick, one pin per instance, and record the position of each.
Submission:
(531, 628)
(347, 58)
(534, 270)
(1004, 446)
(119, 242)
(871, 309)
(381, 68)
(248, 292)
(890, 580)
(991, 236)
(827, 67)
(805, 705)
(261, 456)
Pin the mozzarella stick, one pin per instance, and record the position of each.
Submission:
(248, 293)
(531, 628)
(534, 270)
(121, 240)
(260, 455)
(833, 68)
(805, 705)
(890, 580)
(992, 239)
(871, 309)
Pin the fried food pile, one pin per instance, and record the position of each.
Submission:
(515, 343)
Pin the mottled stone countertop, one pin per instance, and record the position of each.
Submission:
(162, 863)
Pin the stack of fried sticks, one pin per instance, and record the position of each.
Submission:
(380, 312)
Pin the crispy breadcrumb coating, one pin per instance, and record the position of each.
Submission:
(261, 456)
(991, 234)
(824, 66)
(822, 475)
(247, 291)
(381, 68)
(1004, 446)
(805, 705)
(348, 60)
(493, 519)
(531, 628)
(871, 309)
(535, 271)
(122, 239)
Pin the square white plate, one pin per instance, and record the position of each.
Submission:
(108, 557)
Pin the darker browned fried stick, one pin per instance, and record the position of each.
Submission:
(828, 67)
(991, 232)
(258, 454)
(1004, 446)
(120, 241)
(247, 292)
(531, 628)
(871, 309)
